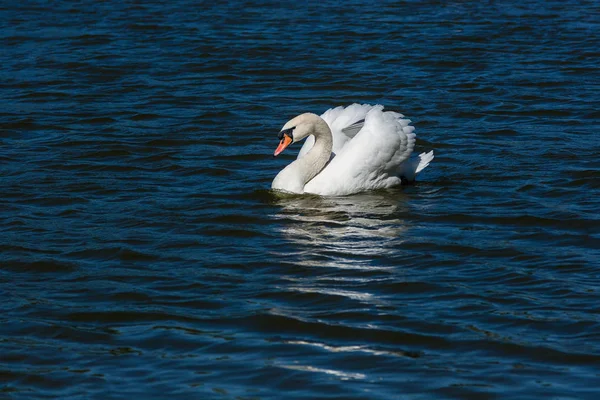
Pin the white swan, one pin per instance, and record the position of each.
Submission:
(349, 150)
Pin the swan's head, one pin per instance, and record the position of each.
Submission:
(297, 129)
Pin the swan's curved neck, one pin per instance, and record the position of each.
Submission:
(318, 156)
(293, 177)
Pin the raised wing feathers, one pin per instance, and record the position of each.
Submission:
(371, 159)
(344, 123)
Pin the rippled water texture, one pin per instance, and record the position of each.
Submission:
(143, 256)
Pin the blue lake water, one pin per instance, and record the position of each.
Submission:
(142, 254)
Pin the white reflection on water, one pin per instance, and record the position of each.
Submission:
(349, 349)
(340, 374)
(350, 244)
(345, 234)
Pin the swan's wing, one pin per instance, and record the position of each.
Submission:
(371, 160)
(344, 122)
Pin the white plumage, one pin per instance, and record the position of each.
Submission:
(358, 148)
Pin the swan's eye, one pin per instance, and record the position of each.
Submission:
(287, 132)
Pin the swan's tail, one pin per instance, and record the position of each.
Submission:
(411, 167)
(424, 160)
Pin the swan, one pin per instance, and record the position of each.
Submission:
(349, 150)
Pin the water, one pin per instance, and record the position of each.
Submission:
(143, 256)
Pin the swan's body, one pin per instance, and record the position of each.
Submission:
(349, 150)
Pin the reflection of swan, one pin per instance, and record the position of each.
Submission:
(338, 238)
(344, 249)
(350, 150)
(343, 232)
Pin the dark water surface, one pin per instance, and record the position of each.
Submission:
(143, 256)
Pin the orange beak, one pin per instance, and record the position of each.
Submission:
(285, 142)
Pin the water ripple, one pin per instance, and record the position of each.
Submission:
(144, 256)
